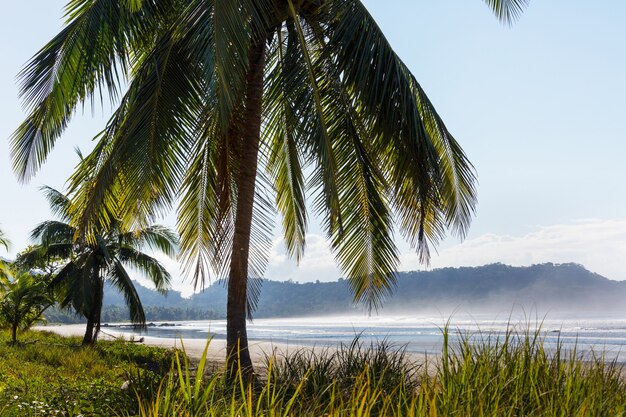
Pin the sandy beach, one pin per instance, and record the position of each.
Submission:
(193, 347)
(216, 353)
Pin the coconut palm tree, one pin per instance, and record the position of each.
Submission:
(232, 104)
(24, 300)
(89, 264)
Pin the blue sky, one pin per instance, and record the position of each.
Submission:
(538, 107)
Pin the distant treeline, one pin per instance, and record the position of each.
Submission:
(544, 287)
(116, 314)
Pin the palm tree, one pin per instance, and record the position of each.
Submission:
(228, 104)
(80, 281)
(24, 300)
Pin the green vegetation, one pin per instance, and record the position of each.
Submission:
(24, 299)
(480, 375)
(509, 376)
(119, 314)
(516, 375)
(49, 375)
(85, 265)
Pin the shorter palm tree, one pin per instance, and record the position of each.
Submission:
(90, 263)
(24, 300)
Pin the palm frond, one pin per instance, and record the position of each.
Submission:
(63, 276)
(205, 213)
(78, 283)
(59, 203)
(40, 255)
(284, 163)
(231, 28)
(121, 280)
(260, 243)
(432, 182)
(364, 245)
(138, 165)
(232, 37)
(320, 142)
(94, 209)
(5, 273)
(507, 11)
(89, 54)
(457, 177)
(52, 231)
(155, 237)
(147, 266)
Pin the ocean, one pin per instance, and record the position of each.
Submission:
(590, 334)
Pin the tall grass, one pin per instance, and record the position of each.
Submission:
(512, 374)
(516, 375)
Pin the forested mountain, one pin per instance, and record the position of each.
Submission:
(544, 287)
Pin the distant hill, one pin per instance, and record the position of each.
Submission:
(543, 288)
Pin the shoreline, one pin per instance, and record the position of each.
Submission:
(216, 352)
(260, 350)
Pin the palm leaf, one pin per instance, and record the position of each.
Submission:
(432, 183)
(507, 11)
(155, 237)
(148, 266)
(138, 163)
(321, 143)
(53, 231)
(89, 54)
(232, 38)
(284, 164)
(59, 203)
(364, 246)
(121, 280)
(205, 212)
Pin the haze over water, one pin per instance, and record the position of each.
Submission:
(421, 334)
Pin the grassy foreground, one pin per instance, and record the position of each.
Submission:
(476, 376)
(49, 375)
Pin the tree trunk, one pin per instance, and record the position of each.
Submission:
(238, 356)
(88, 338)
(14, 334)
(98, 312)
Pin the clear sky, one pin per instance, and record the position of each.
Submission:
(539, 108)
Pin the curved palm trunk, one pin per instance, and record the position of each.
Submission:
(238, 356)
(98, 314)
(93, 319)
(88, 338)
